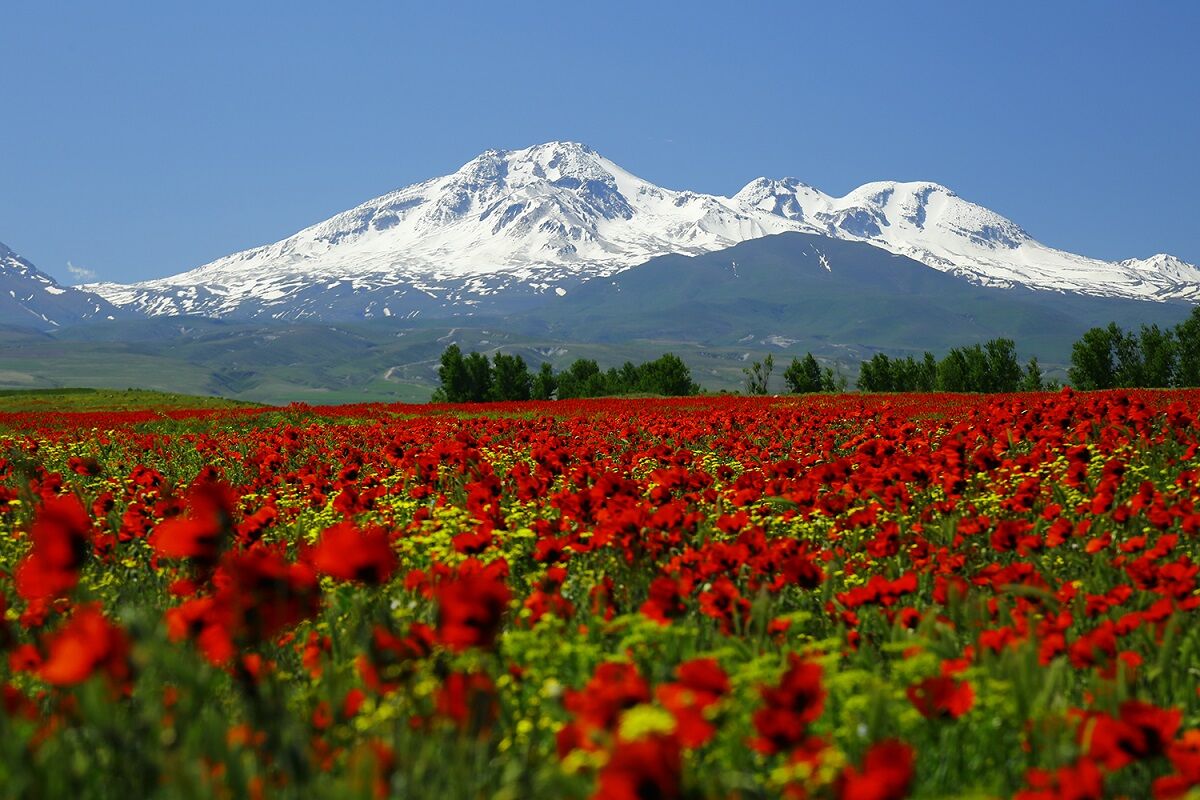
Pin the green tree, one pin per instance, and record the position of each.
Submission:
(928, 373)
(977, 369)
(876, 375)
(1127, 351)
(1159, 352)
(479, 378)
(1003, 369)
(667, 375)
(1093, 359)
(758, 375)
(1187, 344)
(952, 372)
(803, 376)
(1033, 380)
(628, 379)
(905, 374)
(582, 379)
(910, 375)
(452, 374)
(544, 383)
(510, 378)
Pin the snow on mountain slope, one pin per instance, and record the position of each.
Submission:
(540, 219)
(510, 227)
(933, 225)
(31, 298)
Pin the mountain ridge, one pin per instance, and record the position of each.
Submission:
(32, 298)
(519, 226)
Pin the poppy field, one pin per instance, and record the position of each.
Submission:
(823, 596)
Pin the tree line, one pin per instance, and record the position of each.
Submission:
(802, 376)
(988, 367)
(472, 378)
(1103, 358)
(1153, 357)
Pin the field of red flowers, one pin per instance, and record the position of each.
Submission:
(836, 596)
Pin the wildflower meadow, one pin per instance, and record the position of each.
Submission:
(821, 596)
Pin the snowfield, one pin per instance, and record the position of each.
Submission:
(545, 218)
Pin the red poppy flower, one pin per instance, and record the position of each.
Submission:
(725, 604)
(61, 535)
(641, 769)
(1082, 780)
(86, 644)
(614, 688)
(346, 553)
(259, 594)
(1142, 730)
(665, 602)
(789, 708)
(469, 700)
(701, 683)
(470, 607)
(1185, 757)
(886, 773)
(942, 697)
(200, 533)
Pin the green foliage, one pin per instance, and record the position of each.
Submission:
(758, 375)
(883, 374)
(667, 375)
(806, 375)
(1154, 357)
(544, 383)
(1033, 380)
(1093, 359)
(479, 378)
(510, 378)
(472, 379)
(1187, 337)
(1160, 355)
(582, 379)
(453, 377)
(1003, 369)
(990, 367)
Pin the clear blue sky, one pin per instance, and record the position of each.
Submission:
(141, 139)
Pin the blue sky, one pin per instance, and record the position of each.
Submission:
(142, 139)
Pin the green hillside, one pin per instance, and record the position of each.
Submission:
(786, 294)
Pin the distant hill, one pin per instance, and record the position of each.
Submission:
(784, 294)
(827, 295)
(31, 298)
(88, 399)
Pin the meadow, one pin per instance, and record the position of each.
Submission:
(821, 596)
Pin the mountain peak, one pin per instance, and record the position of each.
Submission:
(540, 158)
(543, 219)
(1164, 264)
(763, 184)
(30, 297)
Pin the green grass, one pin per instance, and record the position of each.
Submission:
(89, 399)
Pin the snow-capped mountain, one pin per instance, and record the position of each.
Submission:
(526, 221)
(31, 298)
(512, 228)
(931, 224)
